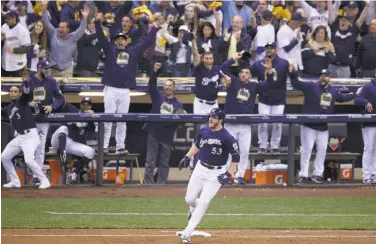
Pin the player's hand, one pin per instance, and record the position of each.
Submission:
(238, 55)
(184, 162)
(291, 68)
(267, 64)
(224, 178)
(85, 12)
(47, 109)
(369, 108)
(91, 112)
(157, 67)
(8, 49)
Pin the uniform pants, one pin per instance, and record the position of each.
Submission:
(27, 144)
(263, 128)
(157, 150)
(203, 182)
(309, 137)
(339, 71)
(116, 100)
(42, 129)
(243, 134)
(72, 147)
(200, 108)
(369, 154)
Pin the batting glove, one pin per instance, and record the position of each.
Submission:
(224, 179)
(184, 162)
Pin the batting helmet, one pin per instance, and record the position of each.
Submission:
(217, 113)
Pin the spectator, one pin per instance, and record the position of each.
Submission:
(236, 8)
(321, 16)
(209, 40)
(54, 9)
(343, 39)
(88, 53)
(26, 19)
(289, 39)
(63, 44)
(366, 56)
(161, 42)
(305, 29)
(160, 135)
(70, 13)
(12, 5)
(113, 13)
(189, 19)
(371, 13)
(181, 54)
(262, 6)
(318, 54)
(15, 47)
(133, 33)
(265, 34)
(163, 7)
(352, 11)
(39, 40)
(236, 41)
(216, 18)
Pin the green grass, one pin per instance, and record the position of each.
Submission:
(30, 213)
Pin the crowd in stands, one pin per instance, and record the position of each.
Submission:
(313, 35)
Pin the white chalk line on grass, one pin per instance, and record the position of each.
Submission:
(217, 214)
(230, 236)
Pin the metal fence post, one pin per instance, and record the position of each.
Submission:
(100, 159)
(291, 155)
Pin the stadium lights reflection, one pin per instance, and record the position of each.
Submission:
(101, 94)
(222, 94)
(4, 93)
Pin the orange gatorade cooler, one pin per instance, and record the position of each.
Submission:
(346, 172)
(273, 174)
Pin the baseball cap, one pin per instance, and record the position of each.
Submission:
(270, 44)
(43, 64)
(11, 14)
(86, 99)
(352, 4)
(121, 34)
(297, 16)
(183, 28)
(217, 113)
(267, 15)
(325, 72)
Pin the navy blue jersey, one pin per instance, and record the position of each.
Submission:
(78, 131)
(19, 112)
(318, 99)
(215, 146)
(207, 81)
(46, 92)
(120, 67)
(163, 132)
(277, 94)
(367, 95)
(240, 98)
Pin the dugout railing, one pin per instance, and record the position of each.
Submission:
(289, 119)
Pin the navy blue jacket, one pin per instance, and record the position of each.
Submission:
(366, 56)
(46, 92)
(314, 64)
(122, 75)
(163, 132)
(367, 95)
(277, 94)
(318, 99)
(215, 146)
(207, 81)
(19, 112)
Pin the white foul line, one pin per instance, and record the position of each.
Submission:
(218, 214)
(230, 236)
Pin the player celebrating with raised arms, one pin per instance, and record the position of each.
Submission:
(119, 75)
(213, 144)
(71, 138)
(319, 98)
(240, 99)
(27, 140)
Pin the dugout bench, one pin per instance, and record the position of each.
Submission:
(133, 157)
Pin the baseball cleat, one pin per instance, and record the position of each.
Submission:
(302, 180)
(317, 179)
(122, 151)
(12, 185)
(72, 178)
(35, 181)
(44, 185)
(185, 238)
(275, 151)
(105, 150)
(239, 181)
(368, 181)
(261, 150)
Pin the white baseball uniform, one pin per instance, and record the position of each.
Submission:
(265, 34)
(285, 36)
(18, 36)
(369, 153)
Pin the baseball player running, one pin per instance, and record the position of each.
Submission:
(46, 97)
(119, 76)
(71, 138)
(213, 144)
(240, 99)
(319, 98)
(27, 140)
(273, 101)
(367, 99)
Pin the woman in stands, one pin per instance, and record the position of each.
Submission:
(208, 40)
(39, 39)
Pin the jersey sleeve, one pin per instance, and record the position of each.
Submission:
(197, 139)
